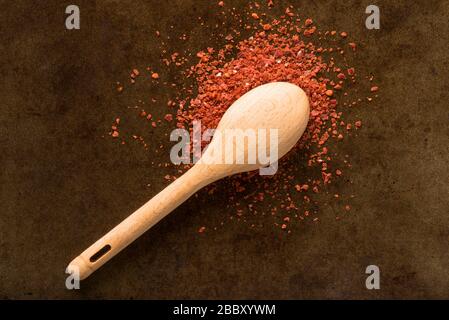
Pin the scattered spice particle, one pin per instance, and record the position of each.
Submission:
(277, 51)
(267, 26)
(168, 117)
(288, 12)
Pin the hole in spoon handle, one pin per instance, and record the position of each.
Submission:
(100, 253)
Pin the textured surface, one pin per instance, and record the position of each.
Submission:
(63, 186)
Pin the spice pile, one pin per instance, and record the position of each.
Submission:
(284, 49)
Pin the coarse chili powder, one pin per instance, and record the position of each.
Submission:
(279, 50)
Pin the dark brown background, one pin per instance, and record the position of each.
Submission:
(63, 186)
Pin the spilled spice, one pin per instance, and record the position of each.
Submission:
(283, 49)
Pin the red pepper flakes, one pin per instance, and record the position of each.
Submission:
(115, 134)
(135, 73)
(374, 89)
(338, 87)
(326, 177)
(222, 75)
(309, 32)
(358, 124)
(168, 117)
(288, 12)
(267, 26)
(201, 229)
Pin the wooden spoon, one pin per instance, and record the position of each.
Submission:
(278, 105)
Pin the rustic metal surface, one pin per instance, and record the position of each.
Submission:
(63, 186)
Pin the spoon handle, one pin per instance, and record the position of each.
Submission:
(137, 223)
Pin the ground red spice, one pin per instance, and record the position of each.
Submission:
(284, 49)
